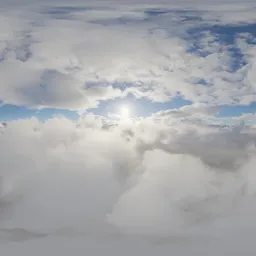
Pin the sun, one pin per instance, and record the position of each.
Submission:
(124, 112)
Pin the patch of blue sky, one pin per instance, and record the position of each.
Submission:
(138, 107)
(225, 35)
(195, 31)
(228, 33)
(11, 112)
(236, 110)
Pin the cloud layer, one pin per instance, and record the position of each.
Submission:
(59, 51)
(180, 181)
(141, 176)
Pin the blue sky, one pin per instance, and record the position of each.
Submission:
(140, 108)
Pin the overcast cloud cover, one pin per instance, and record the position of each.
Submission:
(179, 180)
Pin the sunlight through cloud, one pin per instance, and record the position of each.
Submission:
(125, 112)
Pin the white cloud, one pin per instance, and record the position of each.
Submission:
(125, 187)
(180, 181)
(198, 109)
(148, 53)
(83, 175)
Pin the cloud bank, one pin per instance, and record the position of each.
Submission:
(144, 178)
(58, 51)
(180, 181)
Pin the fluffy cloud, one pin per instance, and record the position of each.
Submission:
(57, 51)
(141, 176)
(180, 181)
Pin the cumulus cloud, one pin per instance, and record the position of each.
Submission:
(56, 50)
(85, 175)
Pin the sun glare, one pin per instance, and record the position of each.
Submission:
(124, 112)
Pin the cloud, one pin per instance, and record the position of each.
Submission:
(148, 186)
(199, 109)
(86, 175)
(159, 54)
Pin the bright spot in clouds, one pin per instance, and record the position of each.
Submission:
(125, 111)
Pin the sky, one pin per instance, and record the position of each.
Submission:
(127, 127)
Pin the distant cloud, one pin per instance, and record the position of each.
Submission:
(198, 109)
